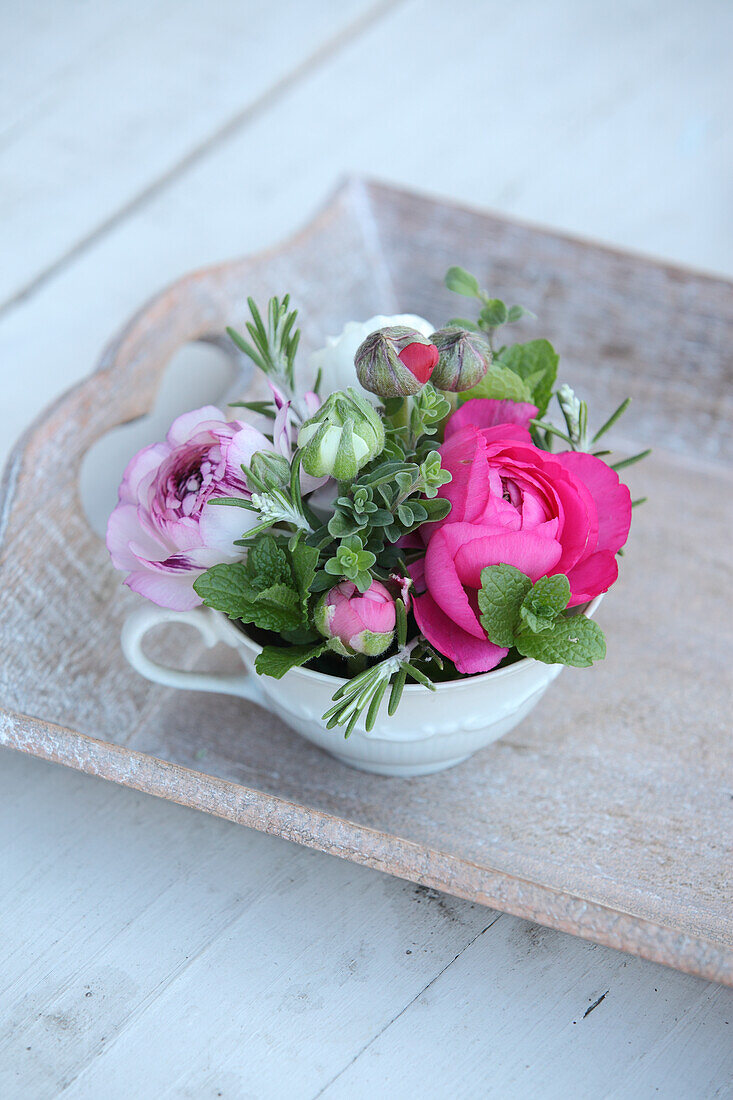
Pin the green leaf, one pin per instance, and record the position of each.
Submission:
(268, 564)
(462, 322)
(549, 596)
(574, 640)
(503, 590)
(612, 419)
(276, 660)
(536, 623)
(517, 312)
(461, 282)
(321, 581)
(501, 383)
(537, 357)
(279, 597)
(225, 587)
(304, 560)
(630, 461)
(398, 686)
(437, 508)
(493, 314)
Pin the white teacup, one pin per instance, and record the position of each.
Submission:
(431, 730)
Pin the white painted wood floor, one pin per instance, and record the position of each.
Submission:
(150, 951)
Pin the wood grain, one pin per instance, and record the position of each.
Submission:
(610, 818)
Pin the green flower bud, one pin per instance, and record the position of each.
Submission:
(395, 362)
(464, 358)
(341, 437)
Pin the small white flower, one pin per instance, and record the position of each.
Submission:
(336, 360)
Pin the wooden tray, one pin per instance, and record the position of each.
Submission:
(607, 813)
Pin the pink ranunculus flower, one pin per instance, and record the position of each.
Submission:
(356, 622)
(512, 503)
(164, 531)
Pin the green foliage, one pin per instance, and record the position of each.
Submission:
(429, 408)
(460, 282)
(277, 660)
(353, 562)
(536, 364)
(573, 640)
(501, 383)
(493, 314)
(365, 691)
(533, 618)
(267, 590)
(503, 590)
(273, 345)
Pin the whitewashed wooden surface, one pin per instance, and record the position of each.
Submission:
(147, 950)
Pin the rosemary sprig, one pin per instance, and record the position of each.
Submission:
(273, 345)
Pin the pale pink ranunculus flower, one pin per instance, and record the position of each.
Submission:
(515, 504)
(164, 531)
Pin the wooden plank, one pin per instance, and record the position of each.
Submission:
(152, 950)
(561, 1028)
(131, 94)
(182, 937)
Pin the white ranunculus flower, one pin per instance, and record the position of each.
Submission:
(336, 360)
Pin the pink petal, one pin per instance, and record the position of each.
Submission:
(442, 579)
(376, 615)
(221, 524)
(245, 443)
(139, 468)
(123, 527)
(534, 555)
(485, 412)
(420, 359)
(469, 653)
(175, 593)
(591, 577)
(183, 427)
(195, 560)
(464, 457)
(611, 496)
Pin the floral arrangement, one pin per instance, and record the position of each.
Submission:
(426, 519)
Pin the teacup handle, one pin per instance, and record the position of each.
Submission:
(136, 626)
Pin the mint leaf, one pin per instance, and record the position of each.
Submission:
(461, 282)
(573, 640)
(535, 358)
(280, 597)
(276, 660)
(500, 383)
(268, 564)
(536, 623)
(545, 602)
(503, 589)
(304, 559)
(226, 588)
(549, 596)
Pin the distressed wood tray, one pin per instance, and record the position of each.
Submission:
(609, 813)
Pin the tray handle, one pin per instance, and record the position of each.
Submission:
(136, 626)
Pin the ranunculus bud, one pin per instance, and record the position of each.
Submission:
(395, 362)
(464, 358)
(355, 623)
(343, 436)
